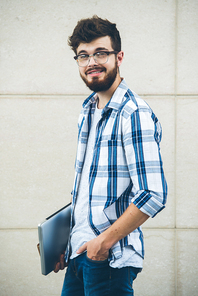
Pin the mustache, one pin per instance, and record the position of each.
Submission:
(96, 68)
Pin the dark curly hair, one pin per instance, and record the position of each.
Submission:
(89, 29)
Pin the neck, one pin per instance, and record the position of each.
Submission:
(105, 96)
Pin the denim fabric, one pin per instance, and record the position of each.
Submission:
(85, 277)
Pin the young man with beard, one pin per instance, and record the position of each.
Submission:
(119, 180)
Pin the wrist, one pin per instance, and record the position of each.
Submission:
(107, 239)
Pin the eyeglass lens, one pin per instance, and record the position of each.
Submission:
(99, 57)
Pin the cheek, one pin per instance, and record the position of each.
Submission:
(81, 71)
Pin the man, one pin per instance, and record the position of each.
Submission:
(119, 180)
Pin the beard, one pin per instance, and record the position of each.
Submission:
(98, 85)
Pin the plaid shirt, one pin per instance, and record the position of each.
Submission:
(126, 166)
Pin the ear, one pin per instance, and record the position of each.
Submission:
(120, 57)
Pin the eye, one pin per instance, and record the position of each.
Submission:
(100, 54)
(83, 57)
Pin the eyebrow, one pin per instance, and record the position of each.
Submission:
(97, 49)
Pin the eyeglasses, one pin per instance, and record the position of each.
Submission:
(100, 57)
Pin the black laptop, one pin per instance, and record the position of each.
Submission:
(53, 238)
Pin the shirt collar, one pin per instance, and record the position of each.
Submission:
(118, 96)
(115, 101)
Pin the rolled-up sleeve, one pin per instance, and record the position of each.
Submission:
(142, 136)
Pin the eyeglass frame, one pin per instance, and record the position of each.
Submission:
(92, 55)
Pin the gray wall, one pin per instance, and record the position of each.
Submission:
(41, 96)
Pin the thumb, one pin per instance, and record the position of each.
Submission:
(82, 249)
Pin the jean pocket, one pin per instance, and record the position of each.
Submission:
(96, 261)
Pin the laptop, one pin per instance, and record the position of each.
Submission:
(53, 236)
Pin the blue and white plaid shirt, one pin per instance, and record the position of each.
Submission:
(126, 166)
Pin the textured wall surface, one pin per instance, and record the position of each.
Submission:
(40, 98)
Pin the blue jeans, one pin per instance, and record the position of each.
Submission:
(85, 277)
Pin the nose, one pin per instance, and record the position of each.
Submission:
(91, 61)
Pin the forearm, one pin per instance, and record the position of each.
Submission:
(98, 248)
(131, 219)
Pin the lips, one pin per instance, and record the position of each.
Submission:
(94, 71)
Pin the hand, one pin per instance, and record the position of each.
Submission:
(61, 264)
(96, 249)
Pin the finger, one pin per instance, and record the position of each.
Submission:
(57, 267)
(82, 249)
(62, 262)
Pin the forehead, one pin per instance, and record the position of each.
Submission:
(99, 43)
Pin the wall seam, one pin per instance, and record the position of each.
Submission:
(144, 228)
(175, 148)
(2, 96)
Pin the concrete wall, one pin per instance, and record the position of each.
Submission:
(41, 95)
